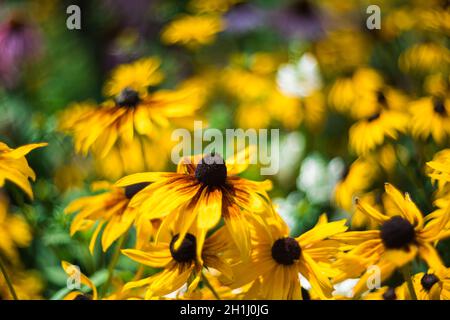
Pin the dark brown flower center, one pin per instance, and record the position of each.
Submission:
(286, 251)
(374, 117)
(397, 233)
(381, 98)
(186, 251)
(131, 190)
(211, 170)
(428, 280)
(128, 98)
(439, 107)
(83, 297)
(390, 294)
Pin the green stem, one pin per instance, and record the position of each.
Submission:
(210, 287)
(8, 280)
(406, 271)
(113, 263)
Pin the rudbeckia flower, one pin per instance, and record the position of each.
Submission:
(386, 293)
(438, 169)
(431, 285)
(14, 167)
(368, 134)
(206, 189)
(110, 210)
(28, 285)
(277, 260)
(403, 235)
(430, 117)
(124, 128)
(193, 31)
(14, 232)
(424, 57)
(182, 265)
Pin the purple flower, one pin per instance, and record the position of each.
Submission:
(244, 18)
(19, 43)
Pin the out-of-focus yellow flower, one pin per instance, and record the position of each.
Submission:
(424, 57)
(14, 167)
(71, 175)
(355, 180)
(193, 31)
(403, 234)
(211, 6)
(370, 133)
(436, 84)
(277, 260)
(138, 76)
(430, 285)
(438, 169)
(131, 131)
(27, 284)
(14, 232)
(386, 293)
(430, 116)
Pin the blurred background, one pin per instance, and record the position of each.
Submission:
(292, 65)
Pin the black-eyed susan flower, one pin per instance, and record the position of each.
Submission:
(203, 189)
(28, 285)
(125, 128)
(183, 265)
(108, 211)
(403, 235)
(193, 31)
(277, 260)
(386, 293)
(431, 285)
(369, 133)
(14, 233)
(430, 117)
(424, 57)
(14, 167)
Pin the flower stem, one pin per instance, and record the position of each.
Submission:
(113, 263)
(406, 271)
(210, 287)
(8, 280)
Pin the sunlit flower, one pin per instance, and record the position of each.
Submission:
(14, 167)
(424, 57)
(193, 31)
(431, 285)
(278, 259)
(204, 189)
(403, 234)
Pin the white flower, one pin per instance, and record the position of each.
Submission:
(300, 79)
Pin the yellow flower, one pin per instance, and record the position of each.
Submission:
(110, 210)
(138, 76)
(432, 285)
(438, 169)
(424, 57)
(370, 133)
(402, 235)
(211, 6)
(193, 31)
(27, 285)
(180, 266)
(74, 271)
(277, 259)
(14, 167)
(204, 190)
(14, 232)
(355, 180)
(123, 130)
(430, 117)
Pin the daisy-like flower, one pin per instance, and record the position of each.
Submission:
(424, 57)
(14, 167)
(431, 285)
(277, 260)
(368, 134)
(123, 128)
(204, 189)
(431, 117)
(110, 210)
(193, 31)
(403, 235)
(182, 265)
(438, 169)
(14, 232)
